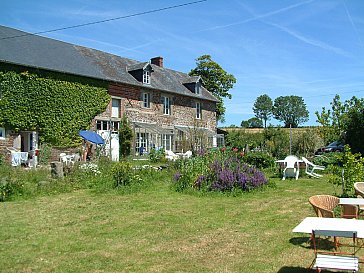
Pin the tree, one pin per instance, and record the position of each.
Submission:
(252, 123)
(291, 110)
(332, 121)
(216, 80)
(262, 108)
(125, 137)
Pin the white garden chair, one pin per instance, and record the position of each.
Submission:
(311, 168)
(171, 155)
(292, 167)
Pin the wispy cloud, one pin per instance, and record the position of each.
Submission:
(353, 25)
(310, 41)
(257, 17)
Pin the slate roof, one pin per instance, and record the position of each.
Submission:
(49, 54)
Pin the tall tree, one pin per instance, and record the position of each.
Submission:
(291, 110)
(263, 107)
(216, 80)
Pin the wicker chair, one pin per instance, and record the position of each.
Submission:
(324, 205)
(359, 188)
(359, 191)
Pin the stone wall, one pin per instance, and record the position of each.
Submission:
(182, 108)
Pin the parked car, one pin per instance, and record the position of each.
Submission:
(336, 146)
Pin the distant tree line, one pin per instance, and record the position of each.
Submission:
(291, 110)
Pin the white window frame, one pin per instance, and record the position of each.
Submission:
(146, 97)
(2, 133)
(142, 140)
(167, 141)
(198, 110)
(197, 88)
(115, 108)
(166, 105)
(146, 76)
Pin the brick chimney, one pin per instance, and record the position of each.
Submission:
(157, 61)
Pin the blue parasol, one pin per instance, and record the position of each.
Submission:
(91, 137)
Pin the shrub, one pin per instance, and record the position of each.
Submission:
(157, 155)
(306, 142)
(45, 151)
(2, 160)
(350, 171)
(122, 173)
(277, 142)
(217, 171)
(260, 160)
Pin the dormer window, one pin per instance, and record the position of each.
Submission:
(197, 88)
(141, 72)
(146, 76)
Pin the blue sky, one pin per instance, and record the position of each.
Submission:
(313, 48)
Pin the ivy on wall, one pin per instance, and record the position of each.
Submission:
(55, 106)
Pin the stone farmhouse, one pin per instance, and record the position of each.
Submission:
(165, 108)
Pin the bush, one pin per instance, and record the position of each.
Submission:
(2, 159)
(217, 171)
(241, 139)
(122, 173)
(348, 172)
(277, 142)
(45, 151)
(157, 155)
(260, 160)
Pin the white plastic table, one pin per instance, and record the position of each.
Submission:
(352, 201)
(338, 224)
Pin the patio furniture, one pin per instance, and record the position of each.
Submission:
(334, 260)
(311, 168)
(171, 155)
(340, 224)
(324, 205)
(359, 202)
(292, 167)
(359, 188)
(187, 154)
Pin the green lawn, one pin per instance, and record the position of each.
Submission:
(159, 230)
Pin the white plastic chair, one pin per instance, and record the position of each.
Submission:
(292, 167)
(187, 154)
(171, 155)
(311, 168)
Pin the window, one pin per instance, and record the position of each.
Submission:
(115, 108)
(2, 133)
(167, 141)
(105, 125)
(146, 76)
(146, 100)
(141, 141)
(197, 88)
(198, 110)
(166, 105)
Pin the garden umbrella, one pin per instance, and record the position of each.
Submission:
(91, 137)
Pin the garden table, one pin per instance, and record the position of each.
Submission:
(352, 201)
(336, 224)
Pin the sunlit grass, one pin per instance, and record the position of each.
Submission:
(158, 230)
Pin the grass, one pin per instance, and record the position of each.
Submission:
(158, 230)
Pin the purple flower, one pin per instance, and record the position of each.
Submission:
(177, 176)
